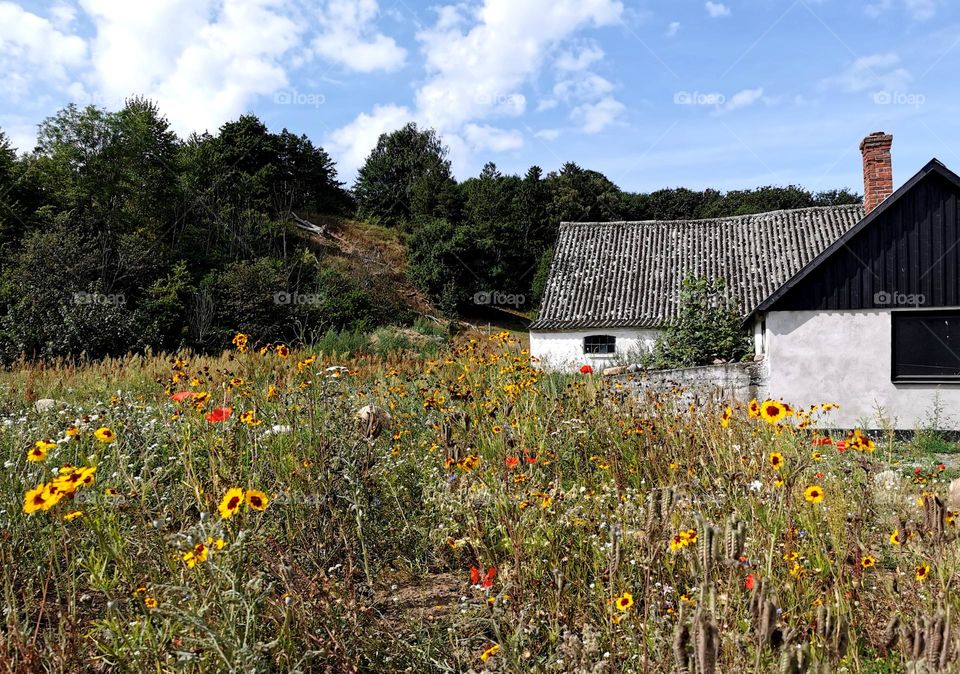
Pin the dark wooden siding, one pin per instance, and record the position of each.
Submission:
(911, 249)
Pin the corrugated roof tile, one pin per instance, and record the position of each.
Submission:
(628, 274)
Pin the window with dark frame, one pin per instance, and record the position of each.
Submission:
(926, 347)
(600, 344)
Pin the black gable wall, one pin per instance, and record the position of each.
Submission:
(911, 248)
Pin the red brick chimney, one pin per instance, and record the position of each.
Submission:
(877, 169)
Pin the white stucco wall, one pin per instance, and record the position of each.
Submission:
(563, 350)
(845, 357)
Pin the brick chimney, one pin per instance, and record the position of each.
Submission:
(877, 169)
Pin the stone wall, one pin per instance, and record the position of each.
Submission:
(710, 383)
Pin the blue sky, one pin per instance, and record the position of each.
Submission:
(663, 93)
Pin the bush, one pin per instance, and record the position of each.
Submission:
(709, 327)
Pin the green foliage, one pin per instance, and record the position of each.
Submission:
(115, 235)
(707, 328)
(406, 177)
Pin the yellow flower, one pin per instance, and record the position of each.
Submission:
(72, 515)
(150, 602)
(754, 409)
(816, 456)
(868, 561)
(39, 450)
(776, 460)
(813, 493)
(231, 502)
(256, 499)
(34, 499)
(104, 434)
(624, 601)
(895, 537)
(725, 417)
(772, 411)
(490, 652)
(72, 432)
(923, 572)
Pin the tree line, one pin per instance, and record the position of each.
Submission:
(117, 235)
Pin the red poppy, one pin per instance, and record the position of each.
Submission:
(511, 462)
(820, 442)
(819, 476)
(586, 369)
(474, 575)
(917, 471)
(181, 396)
(488, 579)
(842, 446)
(750, 582)
(941, 466)
(218, 414)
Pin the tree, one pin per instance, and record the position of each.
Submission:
(406, 177)
(708, 327)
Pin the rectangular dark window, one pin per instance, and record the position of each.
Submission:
(600, 344)
(926, 346)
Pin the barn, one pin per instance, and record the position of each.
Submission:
(847, 304)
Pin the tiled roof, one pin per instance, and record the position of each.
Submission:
(628, 274)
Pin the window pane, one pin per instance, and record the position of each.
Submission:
(926, 346)
(599, 344)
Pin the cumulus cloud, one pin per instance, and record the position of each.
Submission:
(33, 49)
(920, 10)
(352, 143)
(485, 137)
(744, 99)
(871, 73)
(479, 59)
(717, 9)
(595, 117)
(673, 29)
(349, 37)
(202, 61)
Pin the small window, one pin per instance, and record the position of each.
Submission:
(926, 346)
(599, 344)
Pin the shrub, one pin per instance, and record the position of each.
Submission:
(708, 327)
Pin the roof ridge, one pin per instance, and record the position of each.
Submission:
(836, 207)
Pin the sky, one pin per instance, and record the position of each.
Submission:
(725, 94)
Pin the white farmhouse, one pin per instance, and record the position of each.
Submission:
(848, 304)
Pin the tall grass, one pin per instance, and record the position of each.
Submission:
(482, 516)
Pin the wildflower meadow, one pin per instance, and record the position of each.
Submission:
(278, 509)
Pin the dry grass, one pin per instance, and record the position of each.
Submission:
(627, 534)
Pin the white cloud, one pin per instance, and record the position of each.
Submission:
(478, 60)
(349, 37)
(744, 99)
(595, 117)
(717, 9)
(548, 134)
(487, 137)
(352, 143)
(579, 61)
(586, 87)
(919, 10)
(871, 73)
(202, 61)
(673, 29)
(33, 50)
